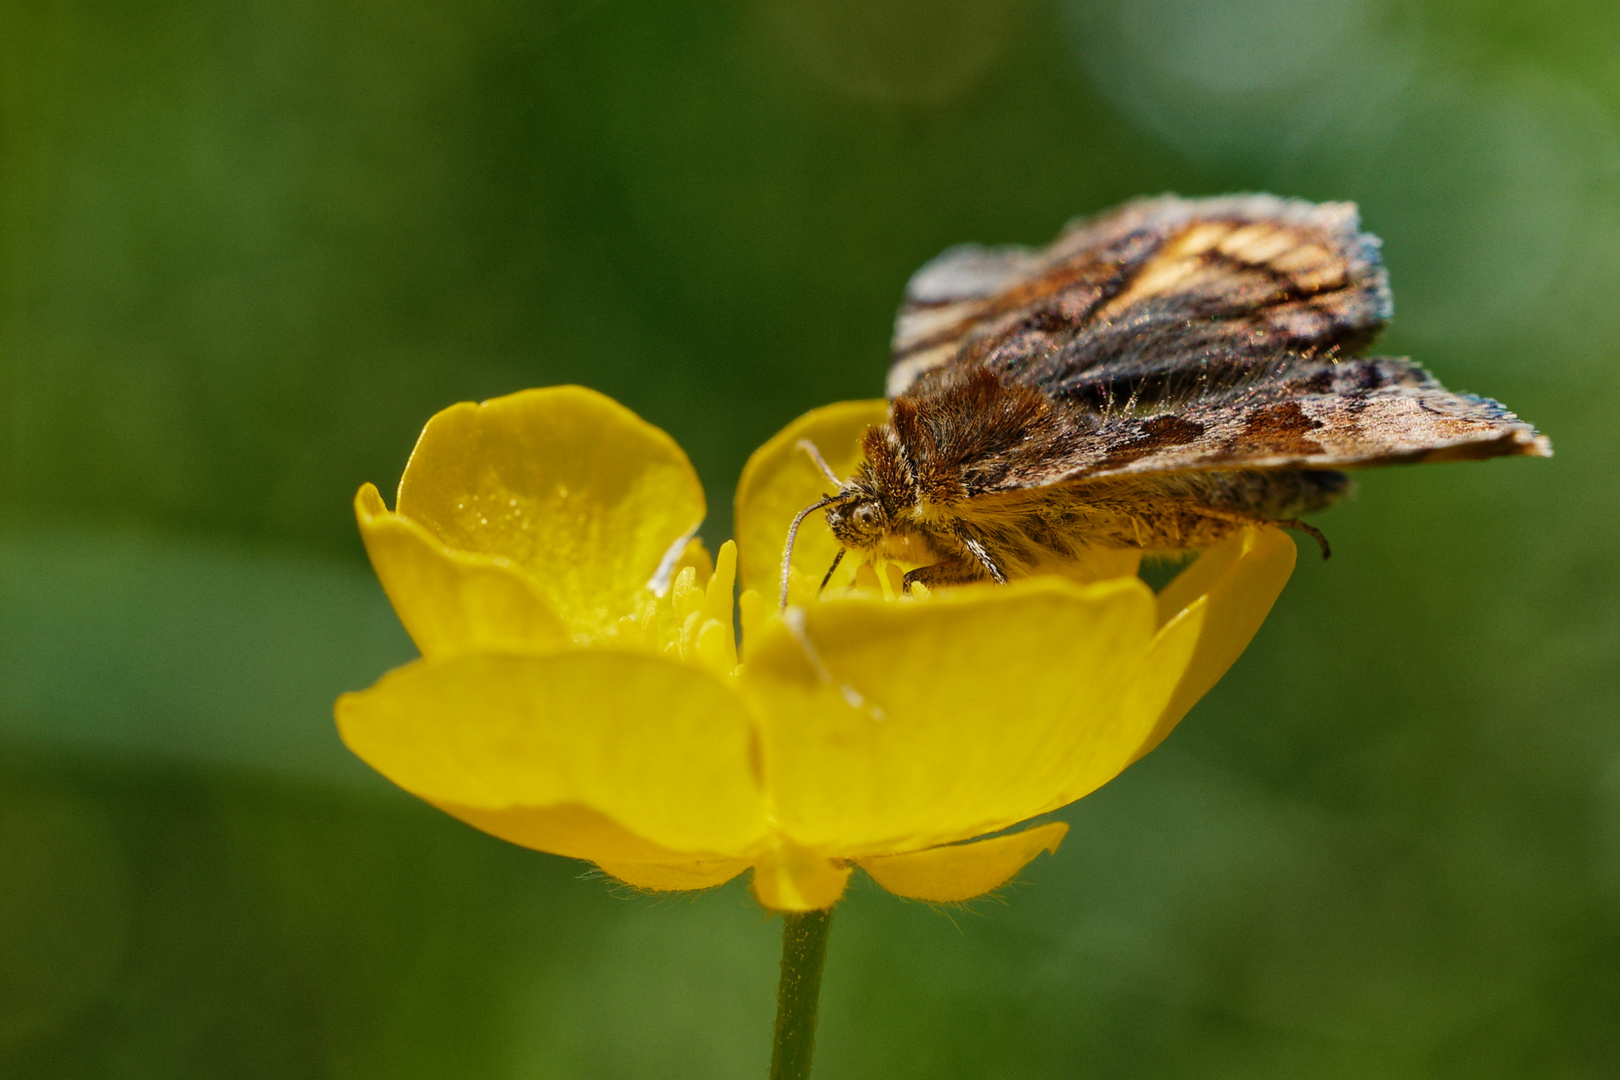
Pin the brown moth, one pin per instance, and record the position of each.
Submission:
(1155, 378)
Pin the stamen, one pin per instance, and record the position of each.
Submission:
(881, 568)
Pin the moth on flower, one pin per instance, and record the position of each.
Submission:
(1156, 379)
(582, 689)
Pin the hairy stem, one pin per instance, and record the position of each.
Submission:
(804, 950)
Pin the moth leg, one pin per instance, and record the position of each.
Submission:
(838, 558)
(1310, 530)
(978, 550)
(949, 572)
(1284, 523)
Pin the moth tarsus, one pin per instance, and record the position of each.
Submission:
(1313, 532)
(1156, 378)
(986, 560)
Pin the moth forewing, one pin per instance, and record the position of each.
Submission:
(1154, 379)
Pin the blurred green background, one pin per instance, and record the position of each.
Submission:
(247, 248)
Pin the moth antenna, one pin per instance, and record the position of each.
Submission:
(793, 534)
(821, 463)
(838, 558)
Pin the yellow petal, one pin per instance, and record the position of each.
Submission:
(893, 727)
(1238, 582)
(790, 878)
(962, 871)
(1151, 687)
(451, 600)
(780, 480)
(752, 613)
(570, 829)
(715, 647)
(1099, 564)
(586, 497)
(674, 877)
(659, 748)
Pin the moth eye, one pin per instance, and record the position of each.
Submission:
(865, 515)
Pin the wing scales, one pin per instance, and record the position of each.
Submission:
(1232, 277)
(1173, 335)
(1323, 415)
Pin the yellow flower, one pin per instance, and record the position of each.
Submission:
(580, 693)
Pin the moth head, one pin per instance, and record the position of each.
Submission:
(857, 518)
(855, 515)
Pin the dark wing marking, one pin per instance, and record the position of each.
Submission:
(1313, 415)
(1309, 414)
(1171, 335)
(981, 434)
(1160, 298)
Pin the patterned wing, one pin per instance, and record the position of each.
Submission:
(1163, 295)
(1174, 335)
(1311, 414)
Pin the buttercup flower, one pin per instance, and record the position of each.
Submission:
(580, 690)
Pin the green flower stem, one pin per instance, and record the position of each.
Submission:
(804, 950)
